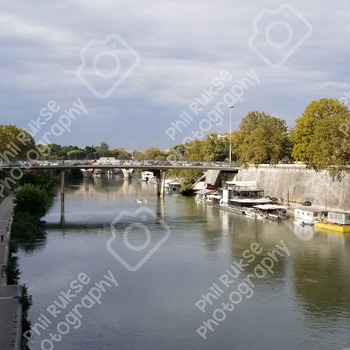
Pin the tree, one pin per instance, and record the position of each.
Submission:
(45, 179)
(194, 151)
(90, 152)
(76, 154)
(261, 139)
(154, 153)
(15, 143)
(103, 150)
(137, 155)
(215, 149)
(121, 153)
(66, 149)
(31, 199)
(176, 153)
(318, 137)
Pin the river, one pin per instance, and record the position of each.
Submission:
(176, 274)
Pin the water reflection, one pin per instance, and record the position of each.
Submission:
(302, 302)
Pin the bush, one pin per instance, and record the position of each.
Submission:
(24, 227)
(187, 190)
(32, 200)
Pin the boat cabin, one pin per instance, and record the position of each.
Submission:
(147, 175)
(272, 211)
(341, 218)
(308, 215)
(173, 186)
(242, 194)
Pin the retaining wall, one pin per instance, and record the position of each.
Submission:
(300, 184)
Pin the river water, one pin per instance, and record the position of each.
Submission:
(176, 274)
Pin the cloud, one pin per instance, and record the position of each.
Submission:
(182, 45)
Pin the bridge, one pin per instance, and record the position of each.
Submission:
(65, 166)
(16, 170)
(158, 169)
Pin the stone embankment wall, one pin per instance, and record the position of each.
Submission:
(298, 183)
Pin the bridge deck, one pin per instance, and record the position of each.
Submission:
(114, 166)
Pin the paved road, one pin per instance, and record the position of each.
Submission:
(10, 309)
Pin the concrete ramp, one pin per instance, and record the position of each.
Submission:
(212, 177)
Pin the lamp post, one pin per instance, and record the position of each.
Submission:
(230, 154)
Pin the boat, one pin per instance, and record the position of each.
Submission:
(250, 213)
(147, 176)
(242, 195)
(335, 221)
(138, 200)
(272, 211)
(261, 216)
(308, 215)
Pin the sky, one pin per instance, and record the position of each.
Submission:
(139, 74)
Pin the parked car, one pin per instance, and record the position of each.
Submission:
(307, 203)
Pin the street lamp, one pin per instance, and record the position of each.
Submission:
(230, 154)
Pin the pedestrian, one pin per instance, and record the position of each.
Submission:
(2, 236)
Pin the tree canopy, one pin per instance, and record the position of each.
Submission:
(14, 143)
(318, 136)
(261, 139)
(211, 149)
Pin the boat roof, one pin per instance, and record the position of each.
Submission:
(205, 191)
(270, 207)
(215, 196)
(339, 212)
(251, 200)
(311, 209)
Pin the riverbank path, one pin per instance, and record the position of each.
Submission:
(10, 308)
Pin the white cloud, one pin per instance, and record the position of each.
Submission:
(182, 45)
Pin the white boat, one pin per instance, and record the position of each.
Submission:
(251, 213)
(307, 215)
(147, 176)
(273, 216)
(303, 223)
(138, 200)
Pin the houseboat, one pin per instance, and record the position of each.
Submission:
(308, 215)
(147, 176)
(242, 195)
(272, 211)
(173, 186)
(336, 221)
(204, 194)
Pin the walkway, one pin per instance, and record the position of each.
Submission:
(10, 308)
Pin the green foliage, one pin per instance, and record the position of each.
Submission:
(261, 139)
(103, 150)
(186, 190)
(65, 149)
(194, 151)
(24, 227)
(12, 271)
(25, 299)
(76, 154)
(15, 142)
(121, 153)
(137, 155)
(154, 153)
(43, 178)
(211, 149)
(318, 137)
(31, 199)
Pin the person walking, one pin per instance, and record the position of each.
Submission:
(2, 236)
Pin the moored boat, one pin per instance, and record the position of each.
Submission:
(336, 221)
(250, 213)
